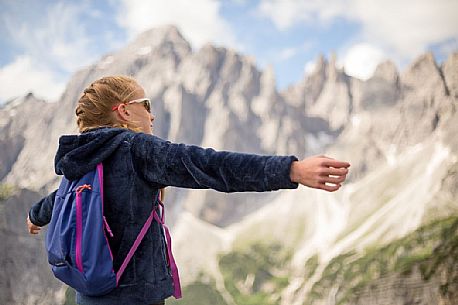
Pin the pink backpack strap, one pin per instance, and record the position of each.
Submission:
(171, 259)
(134, 247)
(138, 240)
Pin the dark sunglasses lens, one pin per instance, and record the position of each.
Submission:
(147, 105)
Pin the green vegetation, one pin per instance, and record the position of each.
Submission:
(70, 296)
(198, 293)
(311, 265)
(195, 293)
(428, 248)
(256, 275)
(6, 191)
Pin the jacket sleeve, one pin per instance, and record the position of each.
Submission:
(163, 163)
(40, 213)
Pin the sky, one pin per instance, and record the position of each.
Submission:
(43, 42)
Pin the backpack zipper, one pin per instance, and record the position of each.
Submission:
(79, 225)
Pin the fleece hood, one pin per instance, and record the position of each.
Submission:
(79, 154)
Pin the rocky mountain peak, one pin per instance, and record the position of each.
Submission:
(328, 93)
(320, 65)
(424, 77)
(386, 70)
(161, 48)
(425, 61)
(212, 57)
(167, 34)
(307, 91)
(18, 101)
(332, 70)
(268, 78)
(450, 70)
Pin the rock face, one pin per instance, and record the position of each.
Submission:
(26, 277)
(382, 89)
(397, 129)
(24, 125)
(410, 289)
(393, 112)
(449, 71)
(325, 93)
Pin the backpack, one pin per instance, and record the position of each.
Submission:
(77, 238)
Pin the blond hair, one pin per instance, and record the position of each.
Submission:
(94, 108)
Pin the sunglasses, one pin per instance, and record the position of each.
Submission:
(145, 101)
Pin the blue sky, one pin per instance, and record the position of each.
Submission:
(42, 43)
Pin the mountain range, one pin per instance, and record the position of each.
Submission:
(393, 221)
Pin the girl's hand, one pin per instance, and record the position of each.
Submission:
(33, 229)
(319, 172)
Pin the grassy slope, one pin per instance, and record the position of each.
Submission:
(432, 247)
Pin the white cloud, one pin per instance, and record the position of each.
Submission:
(23, 75)
(58, 39)
(287, 53)
(286, 13)
(409, 27)
(361, 60)
(309, 67)
(52, 46)
(199, 21)
(402, 27)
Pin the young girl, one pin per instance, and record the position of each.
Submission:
(115, 123)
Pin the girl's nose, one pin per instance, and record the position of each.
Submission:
(152, 117)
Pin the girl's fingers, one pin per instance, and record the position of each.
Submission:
(335, 163)
(33, 229)
(334, 180)
(330, 188)
(335, 171)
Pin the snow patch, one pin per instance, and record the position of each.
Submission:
(391, 155)
(144, 51)
(104, 63)
(355, 120)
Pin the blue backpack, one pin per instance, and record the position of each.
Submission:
(77, 238)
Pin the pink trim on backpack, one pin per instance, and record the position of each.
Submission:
(79, 225)
(171, 259)
(79, 228)
(134, 247)
(100, 173)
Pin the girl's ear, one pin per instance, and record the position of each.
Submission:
(123, 113)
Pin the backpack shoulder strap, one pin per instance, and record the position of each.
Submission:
(134, 247)
(171, 259)
(175, 275)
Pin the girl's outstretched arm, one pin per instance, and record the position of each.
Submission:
(163, 163)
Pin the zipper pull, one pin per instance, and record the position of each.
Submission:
(83, 187)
